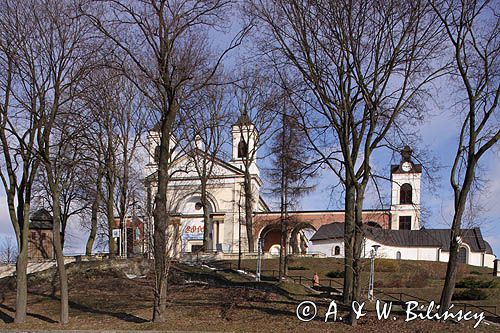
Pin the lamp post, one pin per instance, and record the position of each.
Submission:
(259, 258)
(373, 254)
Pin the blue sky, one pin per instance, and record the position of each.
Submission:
(438, 135)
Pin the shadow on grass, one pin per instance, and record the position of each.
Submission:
(85, 308)
(8, 319)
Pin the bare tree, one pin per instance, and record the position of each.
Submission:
(20, 130)
(8, 251)
(356, 68)
(289, 174)
(129, 123)
(206, 122)
(167, 60)
(49, 59)
(59, 55)
(473, 32)
(257, 100)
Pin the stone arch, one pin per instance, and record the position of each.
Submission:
(298, 238)
(181, 203)
(270, 236)
(373, 224)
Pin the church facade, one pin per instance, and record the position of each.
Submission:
(396, 229)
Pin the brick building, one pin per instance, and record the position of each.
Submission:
(40, 240)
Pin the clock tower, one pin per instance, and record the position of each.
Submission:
(405, 194)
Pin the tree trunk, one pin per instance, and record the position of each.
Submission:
(93, 227)
(357, 251)
(451, 270)
(63, 278)
(160, 224)
(94, 216)
(111, 221)
(349, 242)
(22, 268)
(281, 271)
(207, 227)
(249, 210)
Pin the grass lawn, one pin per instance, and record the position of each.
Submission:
(103, 297)
(423, 279)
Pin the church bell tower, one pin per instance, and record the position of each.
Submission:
(245, 139)
(405, 194)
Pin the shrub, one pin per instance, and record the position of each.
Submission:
(471, 294)
(474, 283)
(297, 268)
(475, 273)
(335, 274)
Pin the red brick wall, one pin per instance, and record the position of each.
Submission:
(40, 244)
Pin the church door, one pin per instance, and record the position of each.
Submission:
(462, 255)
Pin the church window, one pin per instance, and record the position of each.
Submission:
(336, 251)
(242, 149)
(405, 223)
(462, 255)
(405, 195)
(398, 255)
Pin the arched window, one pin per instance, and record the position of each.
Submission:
(462, 255)
(242, 149)
(336, 251)
(405, 195)
(398, 255)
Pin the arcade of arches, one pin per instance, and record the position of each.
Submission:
(302, 226)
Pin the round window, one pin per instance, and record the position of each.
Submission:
(198, 206)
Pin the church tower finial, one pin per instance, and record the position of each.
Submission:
(406, 154)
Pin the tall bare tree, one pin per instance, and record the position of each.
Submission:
(50, 58)
(257, 100)
(63, 48)
(19, 133)
(360, 65)
(289, 173)
(167, 59)
(206, 123)
(473, 32)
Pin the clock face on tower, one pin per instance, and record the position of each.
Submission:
(406, 166)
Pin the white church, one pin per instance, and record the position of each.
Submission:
(397, 229)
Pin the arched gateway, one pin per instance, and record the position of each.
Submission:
(302, 225)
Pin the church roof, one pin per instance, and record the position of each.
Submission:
(409, 238)
(41, 219)
(216, 160)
